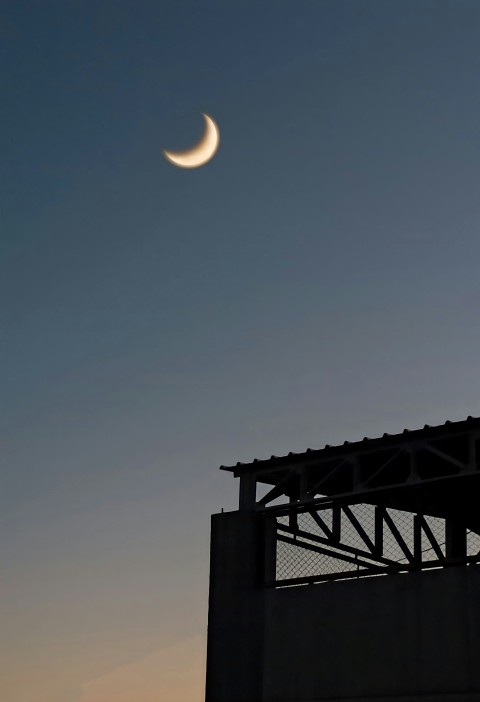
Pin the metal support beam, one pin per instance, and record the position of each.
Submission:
(248, 492)
(455, 539)
(379, 512)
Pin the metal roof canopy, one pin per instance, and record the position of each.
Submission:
(434, 471)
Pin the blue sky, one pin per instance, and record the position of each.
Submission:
(317, 281)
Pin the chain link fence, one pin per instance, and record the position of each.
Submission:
(301, 556)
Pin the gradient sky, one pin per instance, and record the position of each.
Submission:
(317, 281)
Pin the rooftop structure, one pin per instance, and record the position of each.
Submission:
(401, 506)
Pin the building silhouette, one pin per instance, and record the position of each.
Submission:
(351, 573)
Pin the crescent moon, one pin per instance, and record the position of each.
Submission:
(202, 152)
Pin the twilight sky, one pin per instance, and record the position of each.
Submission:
(317, 281)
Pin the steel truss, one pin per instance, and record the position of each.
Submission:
(432, 472)
(371, 557)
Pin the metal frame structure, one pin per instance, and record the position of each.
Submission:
(370, 558)
(430, 472)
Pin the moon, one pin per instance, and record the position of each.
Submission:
(202, 152)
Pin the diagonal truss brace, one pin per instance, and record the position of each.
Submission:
(333, 543)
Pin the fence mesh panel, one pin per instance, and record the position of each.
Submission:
(302, 559)
(473, 543)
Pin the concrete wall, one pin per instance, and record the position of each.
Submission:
(236, 609)
(401, 638)
(396, 635)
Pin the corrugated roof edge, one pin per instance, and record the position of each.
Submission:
(352, 445)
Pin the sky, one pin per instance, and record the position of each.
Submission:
(317, 281)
